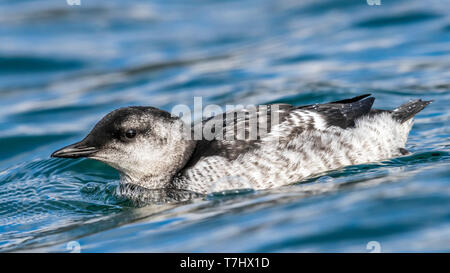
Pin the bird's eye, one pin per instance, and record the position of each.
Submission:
(130, 133)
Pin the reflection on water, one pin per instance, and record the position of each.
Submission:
(63, 67)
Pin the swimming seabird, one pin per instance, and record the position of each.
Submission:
(152, 148)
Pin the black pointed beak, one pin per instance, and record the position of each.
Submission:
(75, 150)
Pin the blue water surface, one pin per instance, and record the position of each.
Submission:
(63, 67)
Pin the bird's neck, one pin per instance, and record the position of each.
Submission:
(162, 173)
(148, 181)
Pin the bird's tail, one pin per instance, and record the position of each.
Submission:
(408, 110)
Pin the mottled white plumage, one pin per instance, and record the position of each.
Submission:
(277, 161)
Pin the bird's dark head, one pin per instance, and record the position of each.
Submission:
(145, 144)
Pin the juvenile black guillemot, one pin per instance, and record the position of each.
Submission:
(152, 149)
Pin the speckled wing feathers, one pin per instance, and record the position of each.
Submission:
(228, 143)
(276, 121)
(342, 113)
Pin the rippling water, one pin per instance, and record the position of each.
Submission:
(63, 67)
